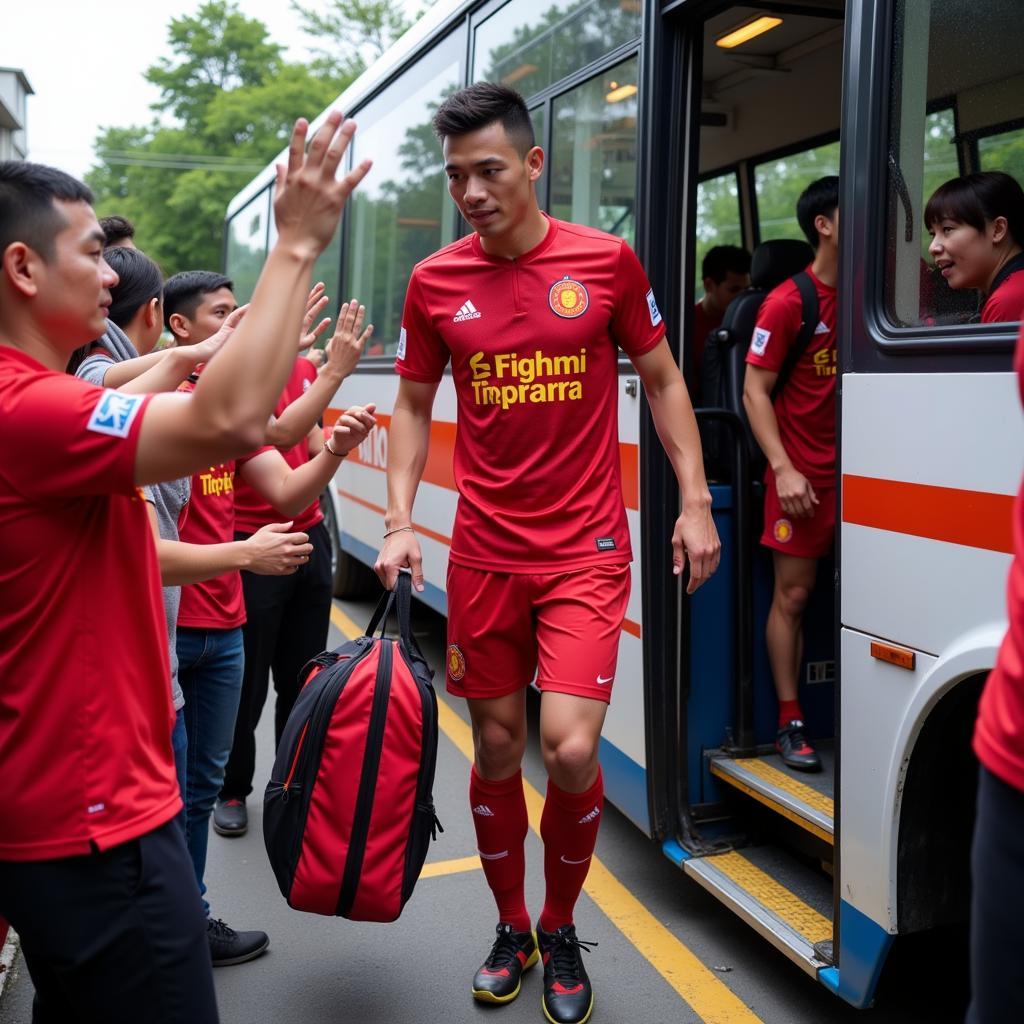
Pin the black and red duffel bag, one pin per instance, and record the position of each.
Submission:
(349, 812)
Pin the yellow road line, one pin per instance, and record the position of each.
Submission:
(343, 623)
(801, 917)
(450, 867)
(705, 993)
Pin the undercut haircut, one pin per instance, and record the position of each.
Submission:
(723, 260)
(819, 199)
(184, 292)
(116, 229)
(139, 282)
(977, 199)
(28, 205)
(483, 104)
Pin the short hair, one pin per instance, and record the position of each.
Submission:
(140, 281)
(722, 260)
(116, 229)
(184, 291)
(28, 211)
(819, 199)
(975, 199)
(481, 104)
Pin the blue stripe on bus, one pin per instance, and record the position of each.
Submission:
(432, 596)
(863, 947)
(625, 784)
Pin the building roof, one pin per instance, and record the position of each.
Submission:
(21, 78)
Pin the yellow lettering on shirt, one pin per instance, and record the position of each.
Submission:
(216, 484)
(525, 379)
(825, 362)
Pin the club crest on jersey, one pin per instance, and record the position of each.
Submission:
(114, 413)
(568, 298)
(783, 531)
(456, 663)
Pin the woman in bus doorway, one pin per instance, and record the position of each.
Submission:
(977, 228)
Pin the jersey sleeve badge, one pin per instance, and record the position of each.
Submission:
(114, 413)
(568, 298)
(759, 342)
(652, 308)
(402, 339)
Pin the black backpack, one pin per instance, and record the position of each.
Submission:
(724, 362)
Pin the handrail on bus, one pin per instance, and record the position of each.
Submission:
(743, 613)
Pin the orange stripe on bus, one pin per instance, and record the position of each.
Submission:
(439, 466)
(975, 519)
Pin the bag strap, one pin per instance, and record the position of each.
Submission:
(399, 601)
(808, 325)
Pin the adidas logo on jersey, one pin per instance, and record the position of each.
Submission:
(467, 311)
(483, 810)
(822, 328)
(590, 817)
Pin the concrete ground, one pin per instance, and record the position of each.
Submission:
(418, 970)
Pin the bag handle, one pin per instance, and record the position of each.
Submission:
(398, 600)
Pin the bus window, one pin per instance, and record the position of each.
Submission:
(593, 158)
(531, 44)
(718, 219)
(247, 245)
(778, 184)
(401, 212)
(943, 53)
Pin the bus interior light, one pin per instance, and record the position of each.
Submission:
(620, 92)
(751, 30)
(517, 73)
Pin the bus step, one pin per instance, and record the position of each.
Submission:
(787, 902)
(804, 799)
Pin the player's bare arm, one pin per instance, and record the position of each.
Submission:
(408, 442)
(695, 536)
(289, 490)
(272, 551)
(796, 495)
(343, 351)
(227, 414)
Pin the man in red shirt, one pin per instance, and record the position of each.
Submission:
(797, 433)
(997, 856)
(726, 272)
(94, 874)
(531, 313)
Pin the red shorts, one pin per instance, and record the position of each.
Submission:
(810, 537)
(565, 627)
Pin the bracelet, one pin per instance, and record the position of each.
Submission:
(398, 529)
(328, 448)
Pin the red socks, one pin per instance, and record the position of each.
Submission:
(499, 814)
(789, 711)
(568, 829)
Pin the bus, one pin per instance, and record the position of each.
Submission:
(679, 125)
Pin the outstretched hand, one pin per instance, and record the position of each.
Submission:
(315, 303)
(347, 343)
(352, 427)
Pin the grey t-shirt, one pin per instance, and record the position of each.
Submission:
(168, 499)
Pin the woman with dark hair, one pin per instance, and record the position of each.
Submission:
(977, 228)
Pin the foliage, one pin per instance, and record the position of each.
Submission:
(228, 99)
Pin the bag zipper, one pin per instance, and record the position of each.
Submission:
(367, 781)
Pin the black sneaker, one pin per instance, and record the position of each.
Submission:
(229, 947)
(568, 997)
(796, 749)
(230, 818)
(500, 977)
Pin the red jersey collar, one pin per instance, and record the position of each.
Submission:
(541, 246)
(818, 281)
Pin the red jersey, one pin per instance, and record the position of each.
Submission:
(85, 698)
(999, 733)
(209, 518)
(703, 324)
(252, 511)
(533, 344)
(1006, 303)
(806, 409)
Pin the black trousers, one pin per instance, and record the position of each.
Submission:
(115, 937)
(997, 904)
(287, 618)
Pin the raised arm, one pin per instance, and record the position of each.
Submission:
(408, 443)
(694, 535)
(227, 414)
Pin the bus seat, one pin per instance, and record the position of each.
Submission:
(724, 362)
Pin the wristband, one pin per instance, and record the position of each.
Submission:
(398, 529)
(328, 448)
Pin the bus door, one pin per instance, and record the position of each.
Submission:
(755, 833)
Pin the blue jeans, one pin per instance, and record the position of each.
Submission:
(210, 663)
(179, 744)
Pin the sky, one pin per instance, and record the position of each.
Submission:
(85, 63)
